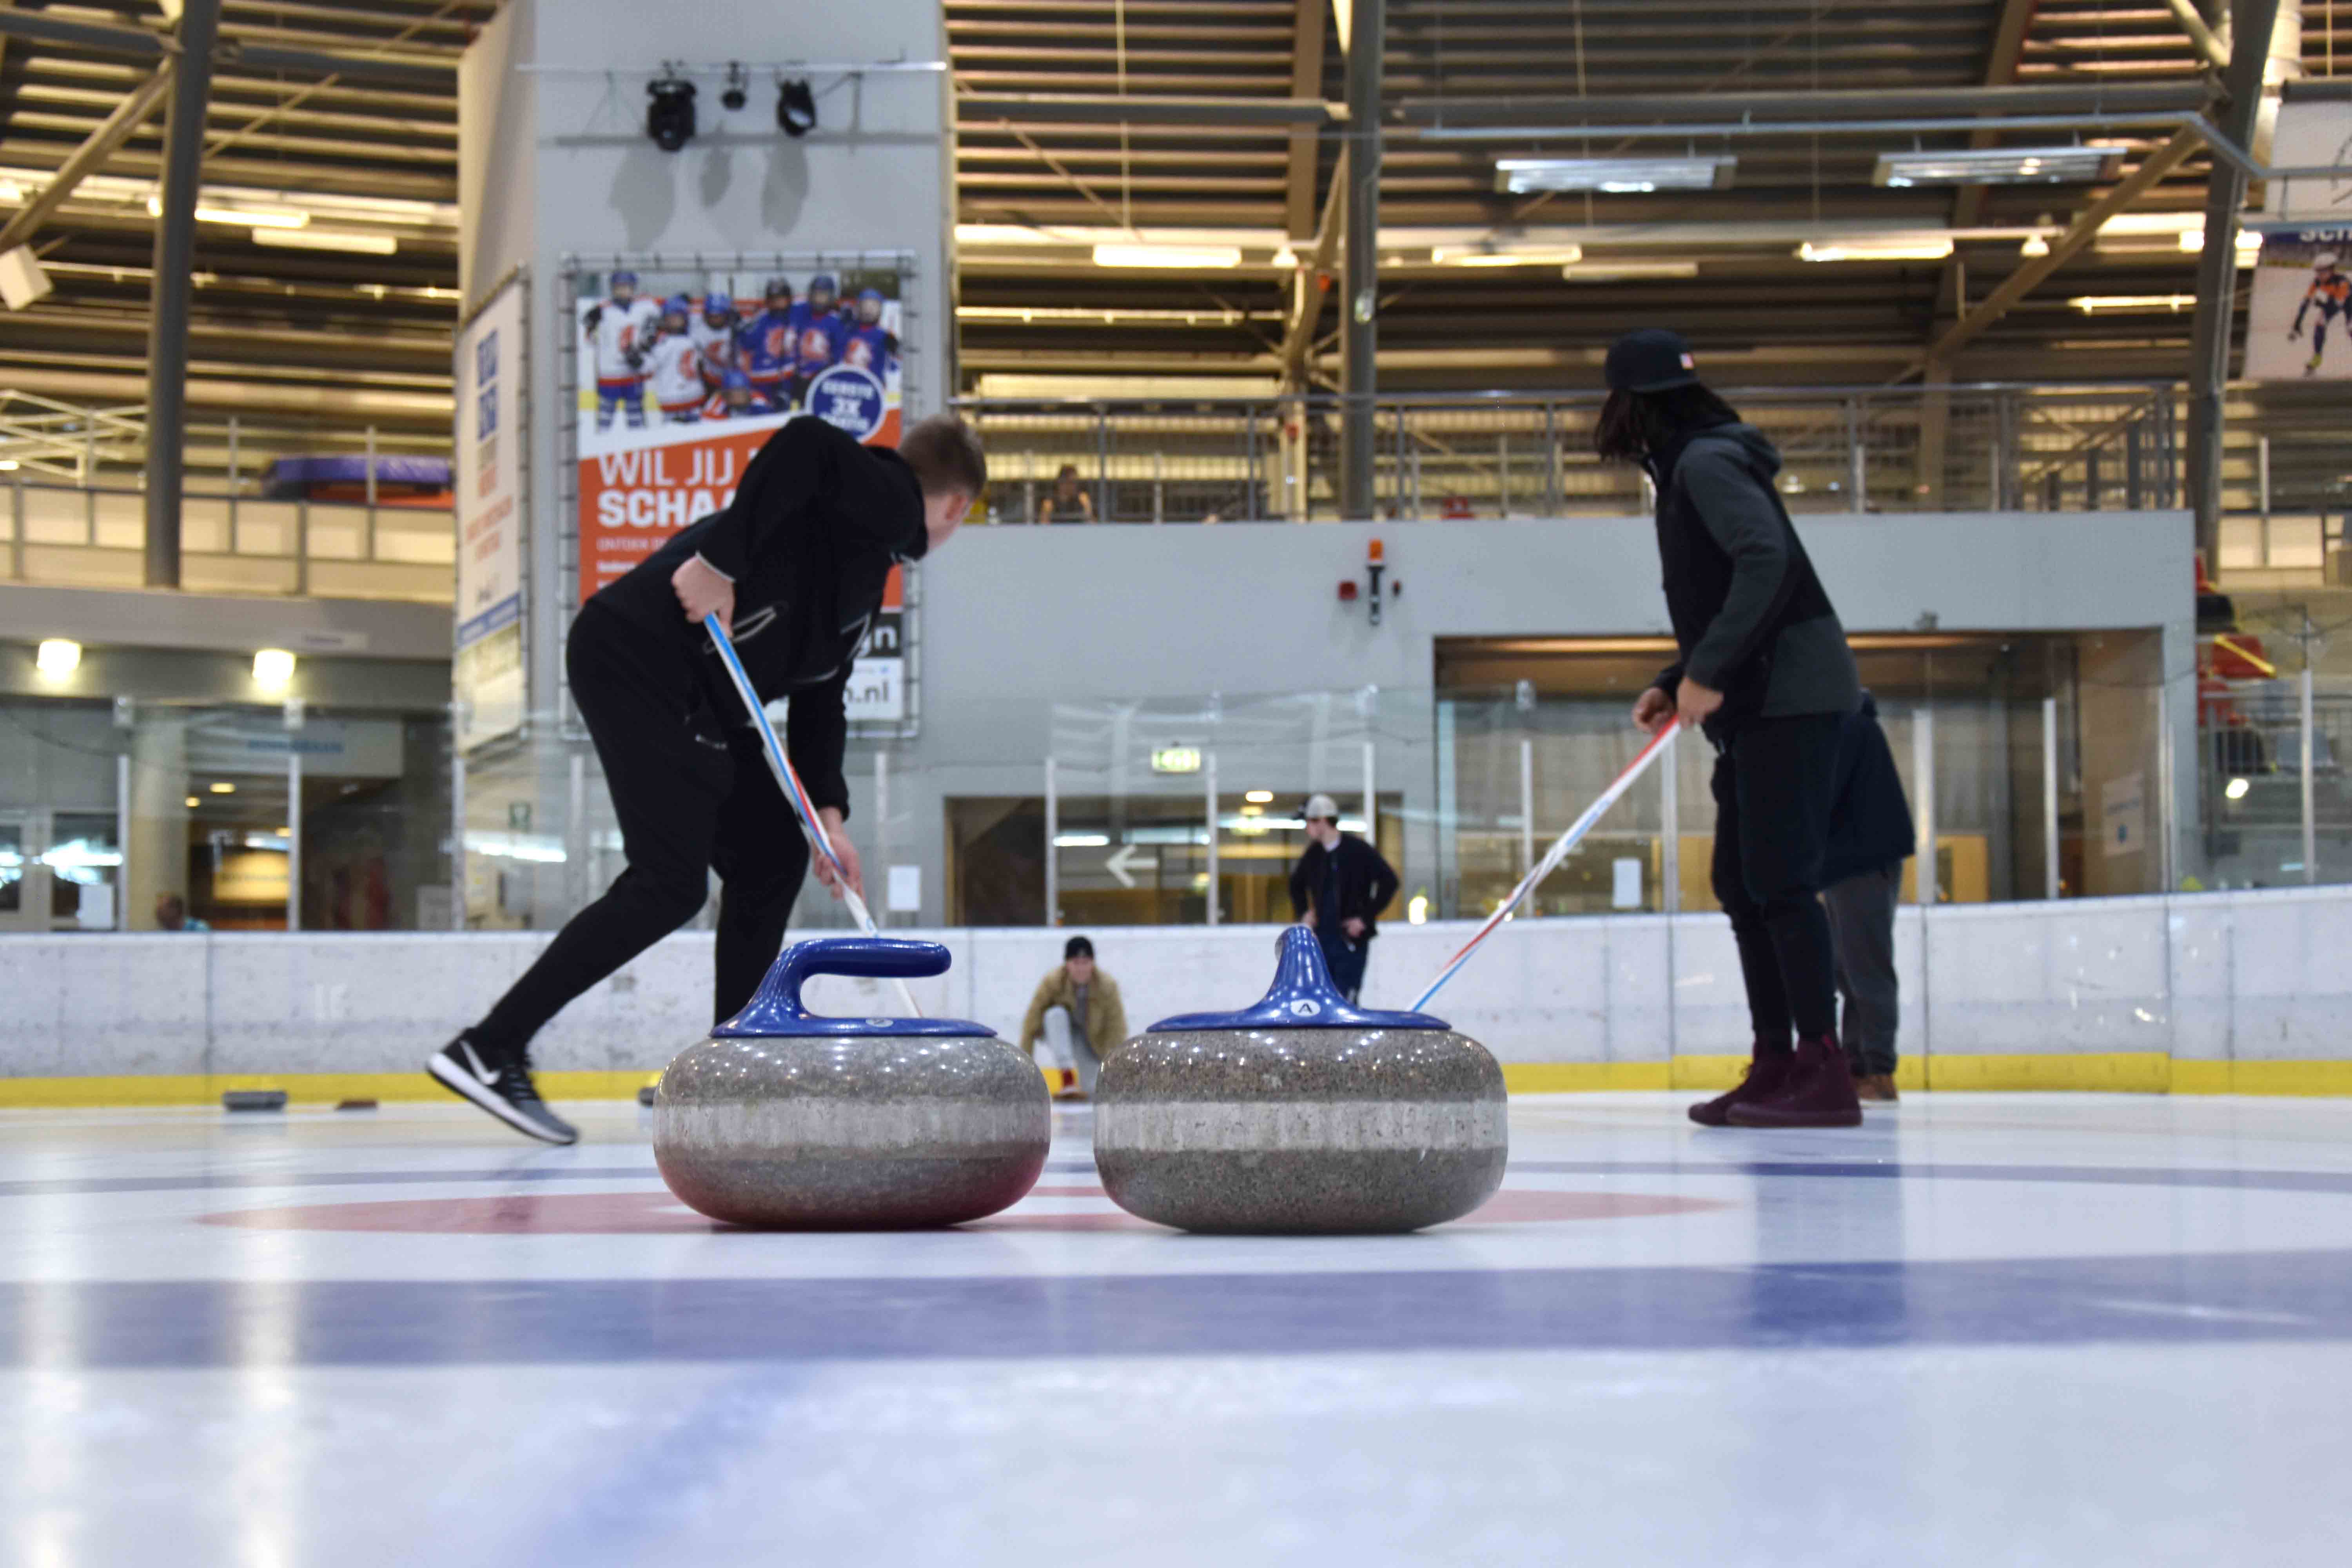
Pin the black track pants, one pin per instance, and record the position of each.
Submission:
(1774, 787)
(686, 806)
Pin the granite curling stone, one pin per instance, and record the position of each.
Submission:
(1303, 1115)
(784, 1118)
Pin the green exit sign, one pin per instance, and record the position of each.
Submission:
(1176, 759)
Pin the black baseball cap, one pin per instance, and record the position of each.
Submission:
(1650, 359)
(1078, 947)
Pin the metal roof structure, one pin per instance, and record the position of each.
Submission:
(341, 112)
(1211, 123)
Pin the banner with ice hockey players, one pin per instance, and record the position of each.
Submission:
(491, 449)
(683, 373)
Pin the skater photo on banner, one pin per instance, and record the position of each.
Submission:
(2299, 325)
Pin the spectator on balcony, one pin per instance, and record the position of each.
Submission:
(1068, 501)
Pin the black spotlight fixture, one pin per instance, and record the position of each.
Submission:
(669, 117)
(796, 109)
(736, 93)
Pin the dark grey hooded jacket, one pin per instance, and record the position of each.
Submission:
(1750, 618)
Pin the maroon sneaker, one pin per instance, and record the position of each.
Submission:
(1767, 1070)
(1817, 1093)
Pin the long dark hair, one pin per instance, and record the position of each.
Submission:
(1635, 426)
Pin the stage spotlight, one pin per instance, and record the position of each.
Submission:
(735, 95)
(796, 109)
(669, 117)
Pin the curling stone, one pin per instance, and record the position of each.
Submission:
(781, 1117)
(1303, 1115)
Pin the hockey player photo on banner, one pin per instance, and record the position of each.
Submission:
(2299, 325)
(683, 375)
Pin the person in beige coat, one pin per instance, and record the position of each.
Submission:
(1078, 1014)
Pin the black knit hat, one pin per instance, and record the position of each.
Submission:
(1078, 947)
(1651, 359)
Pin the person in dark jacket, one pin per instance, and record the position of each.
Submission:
(795, 567)
(1862, 880)
(1764, 670)
(1337, 889)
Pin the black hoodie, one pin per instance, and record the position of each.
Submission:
(809, 540)
(1749, 615)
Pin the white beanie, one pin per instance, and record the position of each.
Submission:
(1324, 807)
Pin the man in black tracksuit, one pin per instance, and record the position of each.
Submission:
(795, 567)
(1338, 888)
(1765, 671)
(1862, 880)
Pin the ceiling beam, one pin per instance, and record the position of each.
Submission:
(244, 59)
(2058, 98)
(1305, 83)
(2215, 48)
(2026, 278)
(2001, 70)
(90, 157)
(1114, 108)
(1312, 280)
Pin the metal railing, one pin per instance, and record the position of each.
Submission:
(1974, 448)
(75, 536)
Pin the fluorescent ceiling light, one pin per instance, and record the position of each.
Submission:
(326, 239)
(252, 218)
(1172, 258)
(1519, 176)
(1259, 796)
(1999, 166)
(58, 657)
(1549, 256)
(2249, 241)
(2092, 304)
(1918, 248)
(1628, 271)
(273, 667)
(999, 234)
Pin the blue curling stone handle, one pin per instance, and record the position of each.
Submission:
(1302, 998)
(775, 1011)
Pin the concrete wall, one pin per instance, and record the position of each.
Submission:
(2215, 992)
(1015, 619)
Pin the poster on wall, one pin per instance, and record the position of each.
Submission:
(2299, 324)
(487, 666)
(685, 373)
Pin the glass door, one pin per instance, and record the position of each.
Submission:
(17, 869)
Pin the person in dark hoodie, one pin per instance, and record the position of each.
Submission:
(1764, 670)
(1862, 880)
(795, 567)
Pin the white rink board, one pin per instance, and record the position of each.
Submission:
(2251, 977)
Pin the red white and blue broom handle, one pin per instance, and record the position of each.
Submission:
(789, 781)
(1658, 746)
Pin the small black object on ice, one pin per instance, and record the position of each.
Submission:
(253, 1100)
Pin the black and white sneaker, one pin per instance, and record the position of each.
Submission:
(501, 1088)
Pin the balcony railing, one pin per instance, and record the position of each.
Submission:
(70, 536)
(1960, 449)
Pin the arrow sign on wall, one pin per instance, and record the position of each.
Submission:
(1120, 863)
